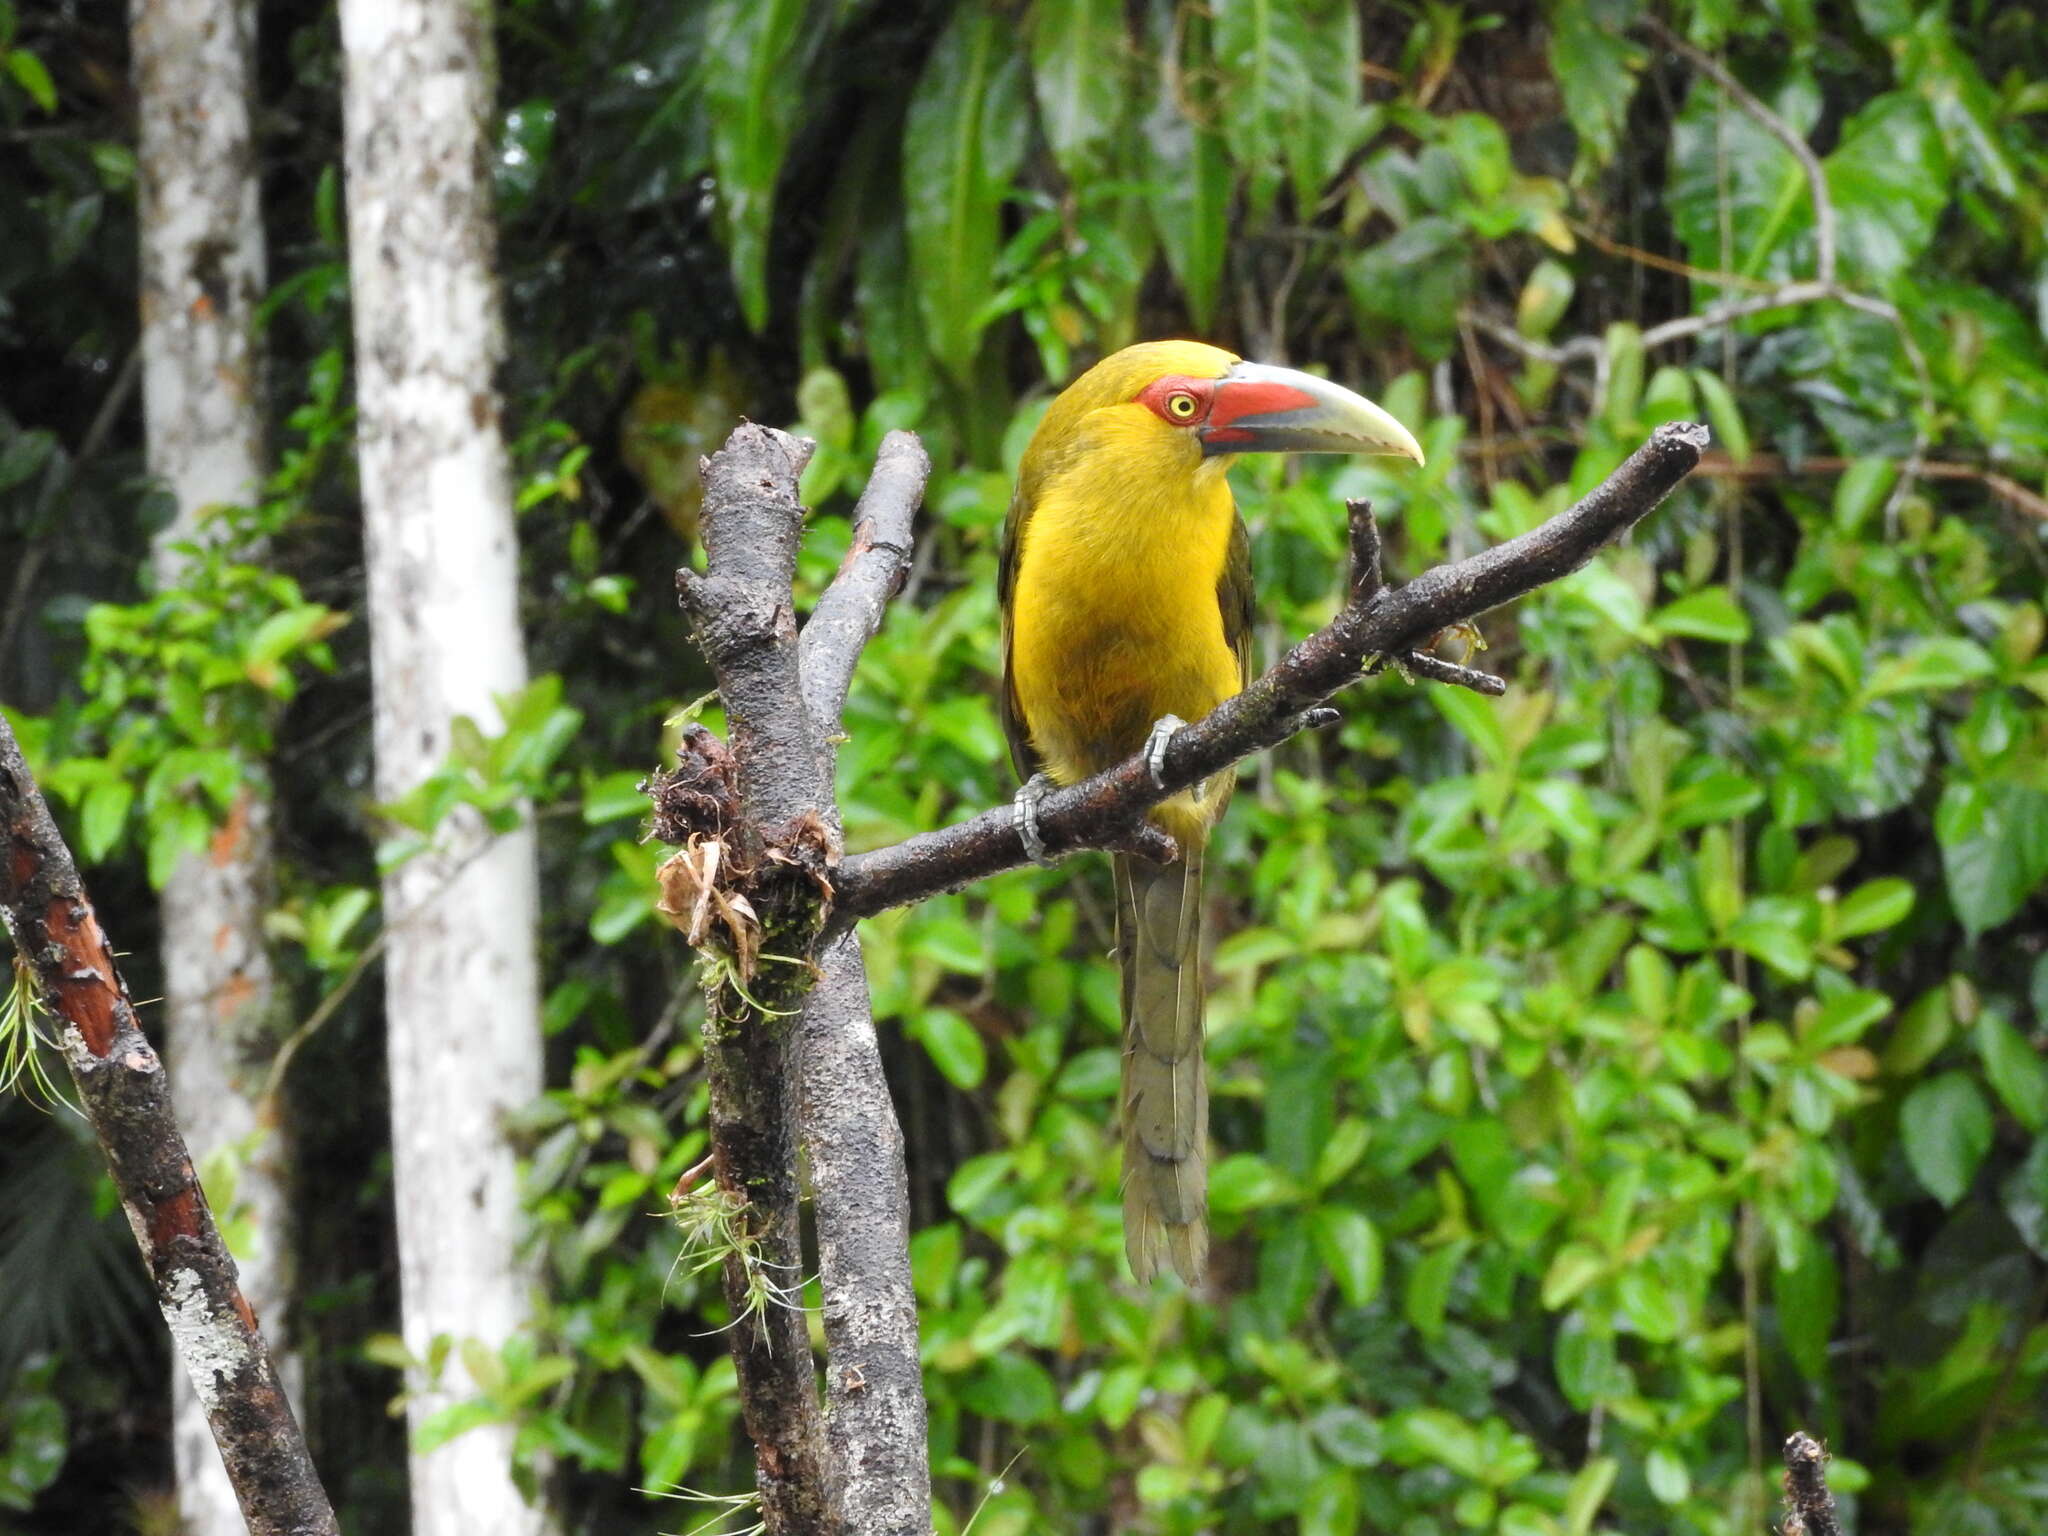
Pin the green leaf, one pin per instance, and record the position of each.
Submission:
(1861, 491)
(1478, 720)
(955, 1047)
(1078, 67)
(1708, 614)
(1187, 180)
(1545, 297)
(456, 1419)
(1011, 1387)
(1994, 848)
(1574, 1267)
(962, 141)
(1436, 1434)
(1723, 414)
(1939, 662)
(284, 632)
(1245, 1181)
(751, 79)
(1349, 1435)
(1964, 104)
(1349, 1245)
(1624, 387)
(1945, 1127)
(1428, 1293)
(1872, 907)
(1330, 1506)
(1665, 1472)
(1889, 181)
(1593, 62)
(1589, 1488)
(2014, 1069)
(1290, 73)
(1808, 1294)
(32, 77)
(1725, 164)
(103, 816)
(613, 798)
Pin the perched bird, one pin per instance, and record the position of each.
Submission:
(1126, 591)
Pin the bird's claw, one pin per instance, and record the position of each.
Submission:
(1024, 810)
(1155, 747)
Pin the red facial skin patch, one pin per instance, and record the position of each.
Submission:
(1155, 395)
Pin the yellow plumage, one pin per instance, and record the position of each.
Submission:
(1119, 550)
(1126, 593)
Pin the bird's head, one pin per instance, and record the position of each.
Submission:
(1188, 408)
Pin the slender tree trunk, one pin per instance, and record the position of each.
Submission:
(202, 275)
(462, 995)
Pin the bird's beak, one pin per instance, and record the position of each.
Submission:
(1258, 408)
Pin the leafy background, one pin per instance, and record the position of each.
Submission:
(1608, 1080)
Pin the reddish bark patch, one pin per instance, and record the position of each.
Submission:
(176, 1215)
(233, 995)
(227, 843)
(88, 995)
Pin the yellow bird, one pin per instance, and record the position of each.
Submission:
(1126, 590)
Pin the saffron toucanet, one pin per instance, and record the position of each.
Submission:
(1126, 589)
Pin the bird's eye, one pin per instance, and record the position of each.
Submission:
(1182, 407)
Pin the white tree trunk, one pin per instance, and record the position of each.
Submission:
(202, 275)
(462, 992)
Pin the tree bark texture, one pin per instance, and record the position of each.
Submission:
(769, 803)
(122, 1087)
(875, 1422)
(461, 976)
(202, 277)
(745, 618)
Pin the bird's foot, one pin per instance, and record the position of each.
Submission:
(1024, 810)
(1155, 747)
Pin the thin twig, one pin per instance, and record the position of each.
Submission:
(1782, 131)
(1771, 466)
(851, 610)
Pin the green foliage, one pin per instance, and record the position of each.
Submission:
(33, 1435)
(1570, 1051)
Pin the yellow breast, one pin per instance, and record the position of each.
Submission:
(1115, 620)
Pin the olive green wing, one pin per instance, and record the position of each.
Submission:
(1021, 756)
(1234, 597)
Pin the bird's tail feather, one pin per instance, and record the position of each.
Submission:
(1165, 1092)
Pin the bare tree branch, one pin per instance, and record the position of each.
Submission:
(875, 1437)
(1106, 810)
(874, 1386)
(850, 612)
(1772, 466)
(745, 621)
(122, 1086)
(1809, 1506)
(866, 1469)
